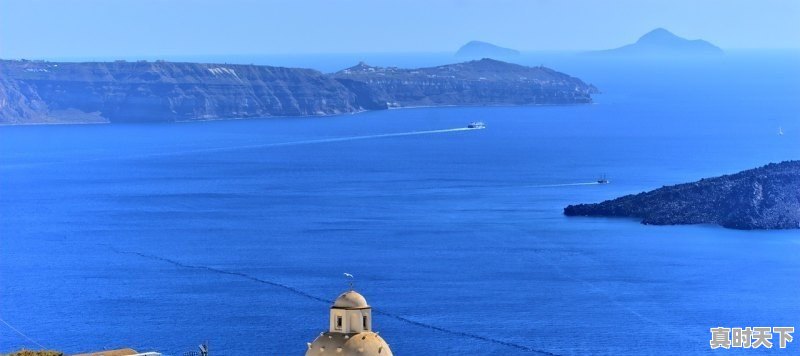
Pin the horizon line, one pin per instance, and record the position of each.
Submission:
(135, 57)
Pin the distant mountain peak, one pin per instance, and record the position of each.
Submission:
(480, 49)
(659, 34)
(361, 67)
(660, 30)
(662, 42)
(477, 43)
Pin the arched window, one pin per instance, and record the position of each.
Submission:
(339, 322)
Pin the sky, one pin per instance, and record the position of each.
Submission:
(80, 28)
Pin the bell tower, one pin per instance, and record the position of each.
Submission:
(350, 314)
(350, 331)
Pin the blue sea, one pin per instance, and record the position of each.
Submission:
(161, 236)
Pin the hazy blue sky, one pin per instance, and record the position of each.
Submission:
(63, 28)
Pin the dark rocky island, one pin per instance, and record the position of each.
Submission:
(478, 49)
(762, 198)
(49, 92)
(660, 42)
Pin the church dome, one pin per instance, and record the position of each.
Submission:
(349, 330)
(359, 344)
(350, 300)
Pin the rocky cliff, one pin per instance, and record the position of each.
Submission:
(763, 198)
(161, 91)
(41, 92)
(480, 82)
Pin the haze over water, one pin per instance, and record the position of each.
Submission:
(160, 236)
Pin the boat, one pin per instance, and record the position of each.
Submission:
(780, 131)
(603, 180)
(476, 125)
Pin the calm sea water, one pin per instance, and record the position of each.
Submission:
(124, 235)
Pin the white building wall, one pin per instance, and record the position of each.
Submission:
(352, 320)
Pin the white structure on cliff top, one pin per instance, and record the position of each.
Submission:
(350, 330)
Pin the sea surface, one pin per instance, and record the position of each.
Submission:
(161, 236)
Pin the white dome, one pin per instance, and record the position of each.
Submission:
(338, 344)
(350, 300)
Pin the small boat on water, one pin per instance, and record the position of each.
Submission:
(603, 180)
(476, 125)
(780, 131)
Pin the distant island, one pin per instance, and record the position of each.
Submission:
(660, 42)
(481, 82)
(51, 92)
(762, 198)
(478, 49)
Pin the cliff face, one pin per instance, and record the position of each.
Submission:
(20, 103)
(160, 91)
(763, 198)
(35, 91)
(482, 82)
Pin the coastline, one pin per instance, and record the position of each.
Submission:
(5, 124)
(205, 92)
(761, 198)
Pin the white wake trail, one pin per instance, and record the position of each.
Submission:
(242, 147)
(322, 140)
(558, 185)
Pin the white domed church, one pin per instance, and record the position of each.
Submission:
(350, 330)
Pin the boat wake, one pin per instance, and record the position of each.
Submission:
(492, 188)
(310, 296)
(323, 140)
(243, 147)
(559, 185)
